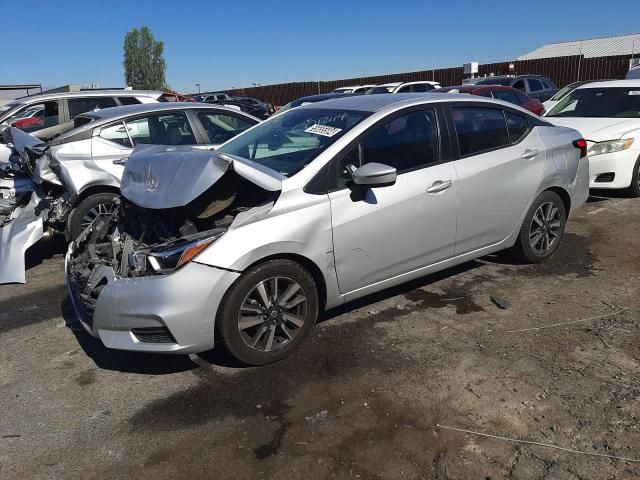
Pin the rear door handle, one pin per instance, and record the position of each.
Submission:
(528, 154)
(439, 186)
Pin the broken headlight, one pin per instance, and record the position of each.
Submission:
(162, 260)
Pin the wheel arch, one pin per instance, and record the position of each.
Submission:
(307, 264)
(97, 188)
(564, 196)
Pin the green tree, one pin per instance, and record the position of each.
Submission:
(144, 65)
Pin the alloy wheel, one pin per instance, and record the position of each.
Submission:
(99, 209)
(272, 314)
(545, 228)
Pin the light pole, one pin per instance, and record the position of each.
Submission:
(198, 85)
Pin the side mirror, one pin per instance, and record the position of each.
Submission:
(374, 175)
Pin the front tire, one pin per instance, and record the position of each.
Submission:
(268, 312)
(87, 211)
(634, 189)
(542, 229)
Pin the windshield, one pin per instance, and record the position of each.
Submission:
(616, 102)
(289, 141)
(563, 91)
(376, 90)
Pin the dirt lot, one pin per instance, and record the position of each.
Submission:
(363, 398)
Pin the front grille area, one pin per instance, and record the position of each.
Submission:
(605, 177)
(84, 305)
(153, 335)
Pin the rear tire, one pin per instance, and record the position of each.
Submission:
(267, 313)
(541, 230)
(87, 210)
(634, 189)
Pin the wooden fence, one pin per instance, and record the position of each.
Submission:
(562, 70)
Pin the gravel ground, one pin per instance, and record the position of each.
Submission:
(363, 398)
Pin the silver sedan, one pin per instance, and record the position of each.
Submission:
(240, 249)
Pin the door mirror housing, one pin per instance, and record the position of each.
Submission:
(374, 175)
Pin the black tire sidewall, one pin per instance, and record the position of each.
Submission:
(227, 334)
(74, 226)
(523, 248)
(634, 188)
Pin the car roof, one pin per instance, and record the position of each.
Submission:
(88, 93)
(375, 103)
(611, 84)
(108, 115)
(473, 87)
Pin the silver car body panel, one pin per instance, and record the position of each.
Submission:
(360, 247)
(24, 229)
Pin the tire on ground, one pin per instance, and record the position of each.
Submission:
(227, 334)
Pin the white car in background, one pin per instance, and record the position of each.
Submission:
(404, 87)
(608, 116)
(353, 89)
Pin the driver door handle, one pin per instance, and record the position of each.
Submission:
(529, 154)
(439, 186)
(121, 161)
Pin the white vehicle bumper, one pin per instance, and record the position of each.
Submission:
(612, 170)
(163, 314)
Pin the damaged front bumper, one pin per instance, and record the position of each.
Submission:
(24, 227)
(172, 313)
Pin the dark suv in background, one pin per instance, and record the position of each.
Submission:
(536, 86)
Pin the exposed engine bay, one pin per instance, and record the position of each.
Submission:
(135, 241)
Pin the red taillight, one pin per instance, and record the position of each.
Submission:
(581, 144)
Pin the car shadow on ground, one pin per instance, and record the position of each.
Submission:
(44, 249)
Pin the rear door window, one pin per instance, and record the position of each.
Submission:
(535, 85)
(479, 129)
(221, 127)
(171, 128)
(419, 87)
(32, 118)
(88, 104)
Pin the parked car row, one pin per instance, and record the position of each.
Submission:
(235, 233)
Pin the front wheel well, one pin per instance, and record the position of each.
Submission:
(309, 265)
(94, 189)
(564, 196)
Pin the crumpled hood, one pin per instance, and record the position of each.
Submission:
(598, 129)
(158, 176)
(19, 139)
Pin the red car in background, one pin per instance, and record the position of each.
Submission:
(508, 94)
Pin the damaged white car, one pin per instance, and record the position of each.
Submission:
(315, 207)
(82, 167)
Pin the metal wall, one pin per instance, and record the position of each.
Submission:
(562, 70)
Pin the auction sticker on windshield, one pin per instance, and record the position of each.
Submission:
(324, 130)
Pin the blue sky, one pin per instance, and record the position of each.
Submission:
(225, 44)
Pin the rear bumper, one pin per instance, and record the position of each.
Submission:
(620, 164)
(183, 303)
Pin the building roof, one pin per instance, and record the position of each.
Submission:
(595, 47)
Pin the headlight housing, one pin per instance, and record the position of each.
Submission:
(167, 258)
(610, 146)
